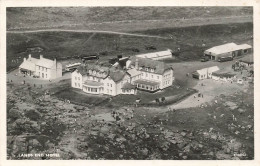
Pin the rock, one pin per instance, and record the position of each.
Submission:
(237, 132)
(241, 110)
(183, 134)
(173, 141)
(200, 146)
(145, 151)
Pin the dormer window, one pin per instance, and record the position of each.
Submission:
(152, 70)
(94, 72)
(146, 69)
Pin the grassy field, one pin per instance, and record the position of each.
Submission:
(69, 44)
(78, 17)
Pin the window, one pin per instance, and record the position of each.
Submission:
(107, 91)
(39, 68)
(75, 84)
(42, 68)
(46, 69)
(146, 75)
(111, 85)
(75, 78)
(78, 78)
(107, 84)
(46, 75)
(158, 77)
(152, 76)
(42, 75)
(111, 91)
(152, 70)
(245, 51)
(79, 84)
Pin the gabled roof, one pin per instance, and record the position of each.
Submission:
(127, 85)
(133, 72)
(117, 75)
(28, 65)
(225, 48)
(45, 62)
(206, 70)
(84, 70)
(158, 66)
(222, 48)
(155, 54)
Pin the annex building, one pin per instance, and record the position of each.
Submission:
(205, 73)
(139, 73)
(227, 50)
(157, 55)
(42, 68)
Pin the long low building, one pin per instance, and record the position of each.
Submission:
(157, 55)
(227, 50)
(205, 73)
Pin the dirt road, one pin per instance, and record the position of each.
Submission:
(85, 31)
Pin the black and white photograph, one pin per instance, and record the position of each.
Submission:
(129, 83)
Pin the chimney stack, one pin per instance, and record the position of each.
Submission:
(30, 56)
(24, 59)
(41, 56)
(136, 63)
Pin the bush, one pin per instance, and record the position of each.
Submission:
(13, 114)
(33, 115)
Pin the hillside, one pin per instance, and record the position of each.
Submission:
(85, 17)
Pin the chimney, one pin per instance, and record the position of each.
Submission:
(24, 59)
(30, 56)
(54, 61)
(41, 56)
(136, 63)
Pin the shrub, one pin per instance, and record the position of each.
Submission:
(13, 114)
(33, 115)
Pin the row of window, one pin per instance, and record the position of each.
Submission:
(147, 87)
(94, 78)
(42, 68)
(77, 78)
(91, 89)
(166, 82)
(167, 76)
(109, 84)
(42, 75)
(146, 75)
(77, 84)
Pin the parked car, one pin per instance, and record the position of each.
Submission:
(204, 59)
(224, 59)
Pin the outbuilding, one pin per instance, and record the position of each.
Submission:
(205, 72)
(157, 55)
(227, 50)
